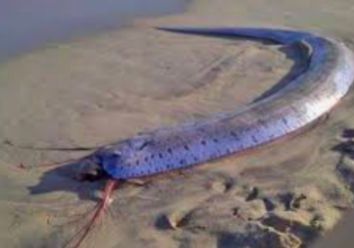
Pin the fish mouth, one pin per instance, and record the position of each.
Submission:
(91, 171)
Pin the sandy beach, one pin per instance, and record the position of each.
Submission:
(101, 88)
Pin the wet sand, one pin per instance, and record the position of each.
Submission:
(27, 25)
(99, 89)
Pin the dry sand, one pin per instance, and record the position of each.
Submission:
(99, 89)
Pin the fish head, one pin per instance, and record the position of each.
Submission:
(119, 160)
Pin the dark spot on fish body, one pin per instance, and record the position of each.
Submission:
(262, 122)
(146, 159)
(285, 121)
(182, 161)
(186, 147)
(215, 140)
(160, 155)
(254, 139)
(169, 150)
(203, 142)
(233, 134)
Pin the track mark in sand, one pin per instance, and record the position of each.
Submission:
(345, 164)
(206, 76)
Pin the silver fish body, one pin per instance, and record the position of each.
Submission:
(328, 77)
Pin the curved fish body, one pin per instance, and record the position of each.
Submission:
(327, 78)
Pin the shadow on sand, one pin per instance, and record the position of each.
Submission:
(69, 178)
(346, 151)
